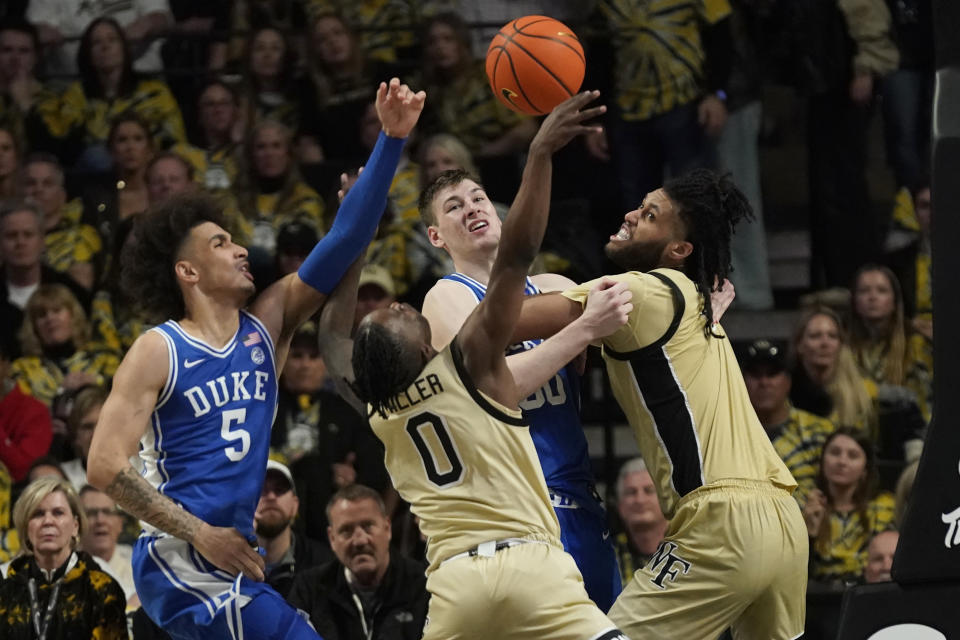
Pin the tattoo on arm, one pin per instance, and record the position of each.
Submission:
(137, 497)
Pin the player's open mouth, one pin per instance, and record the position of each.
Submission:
(477, 225)
(245, 270)
(623, 234)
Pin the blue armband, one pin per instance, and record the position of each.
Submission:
(356, 220)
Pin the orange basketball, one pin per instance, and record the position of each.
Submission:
(534, 64)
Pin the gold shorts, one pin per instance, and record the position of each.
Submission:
(528, 591)
(735, 556)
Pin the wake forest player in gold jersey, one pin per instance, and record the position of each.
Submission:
(735, 553)
(458, 450)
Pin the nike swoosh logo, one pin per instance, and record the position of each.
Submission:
(192, 363)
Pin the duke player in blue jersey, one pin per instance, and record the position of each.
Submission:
(462, 220)
(197, 396)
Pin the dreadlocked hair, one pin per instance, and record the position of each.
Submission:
(710, 205)
(383, 366)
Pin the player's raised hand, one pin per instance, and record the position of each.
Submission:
(566, 121)
(226, 548)
(608, 308)
(398, 108)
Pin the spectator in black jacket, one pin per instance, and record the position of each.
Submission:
(285, 552)
(365, 594)
(23, 270)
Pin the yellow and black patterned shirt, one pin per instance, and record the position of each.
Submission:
(42, 377)
(6, 487)
(71, 241)
(845, 557)
(90, 603)
(659, 54)
(115, 328)
(273, 210)
(467, 109)
(799, 443)
(918, 378)
(215, 170)
(151, 99)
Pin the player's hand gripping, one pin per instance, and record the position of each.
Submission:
(608, 308)
(226, 548)
(566, 121)
(398, 108)
(721, 297)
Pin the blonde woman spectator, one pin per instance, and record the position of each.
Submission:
(54, 336)
(887, 351)
(52, 574)
(826, 380)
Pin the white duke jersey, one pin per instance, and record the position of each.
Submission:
(209, 436)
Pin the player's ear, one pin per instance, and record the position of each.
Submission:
(679, 250)
(433, 234)
(186, 271)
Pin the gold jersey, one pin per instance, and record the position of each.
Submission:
(464, 462)
(682, 392)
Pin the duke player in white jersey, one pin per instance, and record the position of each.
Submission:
(197, 396)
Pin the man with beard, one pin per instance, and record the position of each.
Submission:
(367, 593)
(735, 552)
(285, 553)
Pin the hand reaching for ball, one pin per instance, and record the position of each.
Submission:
(566, 121)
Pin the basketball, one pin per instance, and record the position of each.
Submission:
(534, 63)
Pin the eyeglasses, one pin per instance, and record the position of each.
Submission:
(276, 491)
(93, 512)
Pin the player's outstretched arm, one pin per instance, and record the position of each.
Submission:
(608, 308)
(489, 329)
(123, 419)
(333, 334)
(285, 305)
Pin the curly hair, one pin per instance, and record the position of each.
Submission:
(710, 206)
(147, 260)
(384, 365)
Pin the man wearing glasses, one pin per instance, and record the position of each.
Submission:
(100, 540)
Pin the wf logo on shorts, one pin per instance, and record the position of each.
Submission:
(667, 564)
(952, 520)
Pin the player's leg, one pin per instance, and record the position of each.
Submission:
(270, 617)
(460, 608)
(586, 537)
(541, 593)
(701, 577)
(779, 612)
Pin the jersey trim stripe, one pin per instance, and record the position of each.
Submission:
(666, 401)
(479, 289)
(200, 344)
(172, 369)
(679, 306)
(168, 573)
(474, 392)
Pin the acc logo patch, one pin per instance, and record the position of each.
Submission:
(256, 354)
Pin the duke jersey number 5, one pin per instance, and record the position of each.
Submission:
(230, 417)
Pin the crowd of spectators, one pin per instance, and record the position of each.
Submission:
(107, 108)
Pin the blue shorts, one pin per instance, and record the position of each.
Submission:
(586, 537)
(191, 599)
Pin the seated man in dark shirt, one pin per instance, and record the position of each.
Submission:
(367, 593)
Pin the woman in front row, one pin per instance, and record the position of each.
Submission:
(52, 589)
